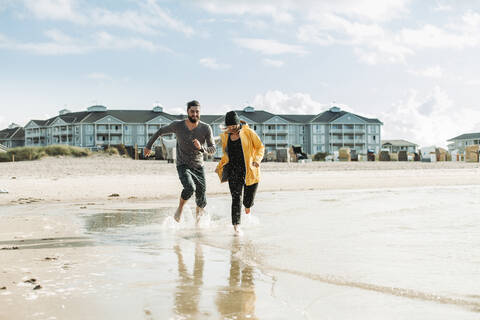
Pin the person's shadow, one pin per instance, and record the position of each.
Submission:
(188, 291)
(237, 300)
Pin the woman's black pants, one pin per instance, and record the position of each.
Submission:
(237, 186)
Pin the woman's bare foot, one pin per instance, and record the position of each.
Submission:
(178, 214)
(198, 214)
(238, 231)
(247, 210)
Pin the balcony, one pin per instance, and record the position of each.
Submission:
(332, 130)
(106, 142)
(62, 133)
(278, 131)
(152, 130)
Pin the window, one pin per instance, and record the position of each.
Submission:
(140, 129)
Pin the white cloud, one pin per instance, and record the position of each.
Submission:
(58, 36)
(269, 47)
(371, 42)
(3, 123)
(428, 119)
(256, 24)
(149, 18)
(211, 63)
(273, 63)
(443, 7)
(286, 11)
(62, 44)
(473, 82)
(276, 101)
(278, 11)
(98, 76)
(430, 36)
(105, 40)
(55, 10)
(431, 72)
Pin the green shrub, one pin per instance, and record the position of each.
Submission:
(57, 150)
(111, 151)
(35, 153)
(4, 157)
(80, 152)
(320, 156)
(26, 153)
(121, 149)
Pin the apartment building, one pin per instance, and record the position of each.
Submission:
(13, 136)
(98, 127)
(395, 146)
(460, 142)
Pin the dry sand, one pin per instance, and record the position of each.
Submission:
(64, 255)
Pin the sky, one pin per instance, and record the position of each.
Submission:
(410, 64)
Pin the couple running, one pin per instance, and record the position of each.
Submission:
(240, 164)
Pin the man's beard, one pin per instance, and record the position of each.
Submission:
(193, 120)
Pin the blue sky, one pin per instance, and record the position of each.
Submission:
(411, 64)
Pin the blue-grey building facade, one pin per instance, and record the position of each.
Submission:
(99, 127)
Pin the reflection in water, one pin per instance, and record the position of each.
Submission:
(188, 289)
(234, 301)
(237, 300)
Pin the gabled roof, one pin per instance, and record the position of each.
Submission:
(209, 118)
(467, 136)
(19, 134)
(40, 123)
(299, 118)
(7, 133)
(256, 116)
(129, 116)
(399, 143)
(12, 134)
(329, 116)
(143, 116)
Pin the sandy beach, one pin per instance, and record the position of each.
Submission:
(335, 240)
(95, 179)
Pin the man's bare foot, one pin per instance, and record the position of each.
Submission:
(198, 214)
(247, 210)
(238, 231)
(178, 214)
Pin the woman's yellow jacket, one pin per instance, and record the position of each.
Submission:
(253, 151)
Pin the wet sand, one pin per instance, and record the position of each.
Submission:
(335, 241)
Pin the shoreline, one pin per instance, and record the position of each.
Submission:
(67, 180)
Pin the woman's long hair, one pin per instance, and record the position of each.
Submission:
(224, 128)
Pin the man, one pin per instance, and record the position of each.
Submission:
(191, 134)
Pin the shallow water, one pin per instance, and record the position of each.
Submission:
(406, 253)
(368, 254)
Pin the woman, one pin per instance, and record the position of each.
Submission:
(240, 164)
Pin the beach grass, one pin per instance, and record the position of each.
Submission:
(35, 153)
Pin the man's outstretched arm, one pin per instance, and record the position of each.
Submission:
(165, 130)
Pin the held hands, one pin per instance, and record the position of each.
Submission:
(146, 152)
(197, 144)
